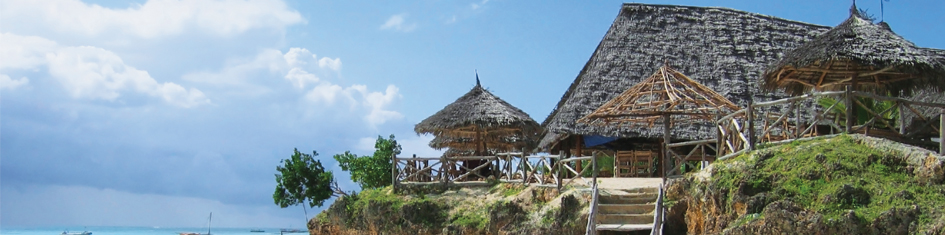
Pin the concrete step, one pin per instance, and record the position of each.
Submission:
(625, 208)
(637, 198)
(643, 190)
(624, 227)
(624, 219)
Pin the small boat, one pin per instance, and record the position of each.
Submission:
(256, 230)
(291, 231)
(82, 233)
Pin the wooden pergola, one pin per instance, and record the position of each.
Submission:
(665, 94)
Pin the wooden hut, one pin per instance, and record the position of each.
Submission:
(860, 54)
(479, 123)
(668, 97)
(725, 50)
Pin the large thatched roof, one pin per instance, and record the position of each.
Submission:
(724, 49)
(871, 54)
(478, 111)
(667, 91)
(495, 143)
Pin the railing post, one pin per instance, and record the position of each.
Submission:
(445, 171)
(849, 105)
(751, 125)
(556, 167)
(902, 119)
(393, 171)
(718, 136)
(941, 133)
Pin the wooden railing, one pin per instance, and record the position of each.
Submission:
(802, 117)
(513, 167)
(702, 151)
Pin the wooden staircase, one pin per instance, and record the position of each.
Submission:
(630, 211)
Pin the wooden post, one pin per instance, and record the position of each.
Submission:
(849, 103)
(579, 145)
(902, 119)
(445, 171)
(941, 133)
(393, 171)
(666, 140)
(718, 136)
(751, 125)
(556, 168)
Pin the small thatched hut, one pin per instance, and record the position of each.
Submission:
(480, 121)
(726, 50)
(857, 53)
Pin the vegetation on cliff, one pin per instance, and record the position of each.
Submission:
(849, 184)
(500, 209)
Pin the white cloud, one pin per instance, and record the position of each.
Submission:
(476, 6)
(451, 20)
(7, 83)
(91, 72)
(398, 23)
(329, 63)
(326, 93)
(378, 103)
(155, 18)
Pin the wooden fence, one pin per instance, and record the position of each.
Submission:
(742, 130)
(513, 167)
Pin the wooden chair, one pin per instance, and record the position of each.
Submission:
(633, 163)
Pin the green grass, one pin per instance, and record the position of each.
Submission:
(811, 173)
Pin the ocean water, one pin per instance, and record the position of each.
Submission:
(137, 231)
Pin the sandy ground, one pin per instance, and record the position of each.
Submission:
(624, 183)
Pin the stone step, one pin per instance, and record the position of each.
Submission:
(643, 190)
(624, 219)
(624, 227)
(638, 198)
(625, 208)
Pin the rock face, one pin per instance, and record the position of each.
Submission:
(502, 209)
(843, 185)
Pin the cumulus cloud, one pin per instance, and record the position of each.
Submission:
(307, 72)
(155, 18)
(90, 72)
(398, 23)
(7, 83)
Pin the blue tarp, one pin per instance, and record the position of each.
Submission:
(595, 140)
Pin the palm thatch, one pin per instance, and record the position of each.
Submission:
(667, 91)
(480, 115)
(726, 50)
(494, 143)
(857, 52)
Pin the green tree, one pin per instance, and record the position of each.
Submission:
(302, 179)
(371, 171)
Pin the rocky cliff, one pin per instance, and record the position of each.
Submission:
(499, 209)
(850, 184)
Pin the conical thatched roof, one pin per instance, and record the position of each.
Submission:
(726, 50)
(504, 143)
(877, 58)
(667, 91)
(478, 111)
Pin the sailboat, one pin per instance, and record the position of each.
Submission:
(208, 227)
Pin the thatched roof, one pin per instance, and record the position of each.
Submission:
(878, 59)
(478, 111)
(726, 50)
(504, 143)
(667, 91)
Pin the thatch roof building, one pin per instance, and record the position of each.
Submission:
(726, 50)
(857, 52)
(480, 115)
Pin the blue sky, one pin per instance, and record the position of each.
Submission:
(155, 113)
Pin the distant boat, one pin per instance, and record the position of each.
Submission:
(208, 227)
(291, 231)
(256, 231)
(82, 233)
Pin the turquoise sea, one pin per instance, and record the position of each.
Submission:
(136, 231)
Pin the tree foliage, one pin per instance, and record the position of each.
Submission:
(371, 171)
(301, 178)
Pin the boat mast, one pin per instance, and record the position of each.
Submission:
(208, 223)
